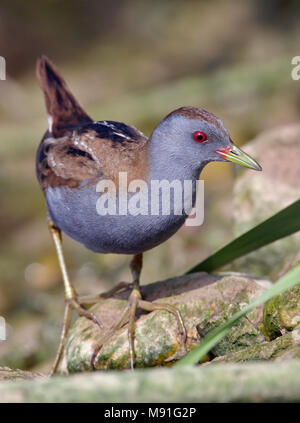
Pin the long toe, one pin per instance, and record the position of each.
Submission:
(76, 304)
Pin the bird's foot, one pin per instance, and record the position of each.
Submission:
(72, 303)
(77, 303)
(135, 302)
(92, 299)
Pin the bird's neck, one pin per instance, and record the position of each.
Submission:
(162, 165)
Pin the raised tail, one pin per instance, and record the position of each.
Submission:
(62, 107)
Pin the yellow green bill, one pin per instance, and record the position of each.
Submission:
(236, 155)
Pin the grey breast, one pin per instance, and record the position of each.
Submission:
(74, 211)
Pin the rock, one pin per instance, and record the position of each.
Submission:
(7, 374)
(248, 382)
(244, 334)
(290, 354)
(259, 195)
(204, 301)
(282, 313)
(265, 351)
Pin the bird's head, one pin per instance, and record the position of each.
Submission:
(198, 137)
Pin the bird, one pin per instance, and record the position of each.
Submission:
(76, 154)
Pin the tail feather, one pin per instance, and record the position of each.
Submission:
(62, 107)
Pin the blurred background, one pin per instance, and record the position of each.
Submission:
(131, 61)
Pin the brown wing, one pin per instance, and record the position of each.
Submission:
(75, 148)
(60, 162)
(92, 151)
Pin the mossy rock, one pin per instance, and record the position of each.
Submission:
(289, 354)
(243, 335)
(284, 347)
(282, 313)
(204, 301)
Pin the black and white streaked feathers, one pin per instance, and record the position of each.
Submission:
(114, 131)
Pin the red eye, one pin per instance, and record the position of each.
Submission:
(199, 136)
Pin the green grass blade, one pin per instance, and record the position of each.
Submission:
(282, 224)
(289, 280)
